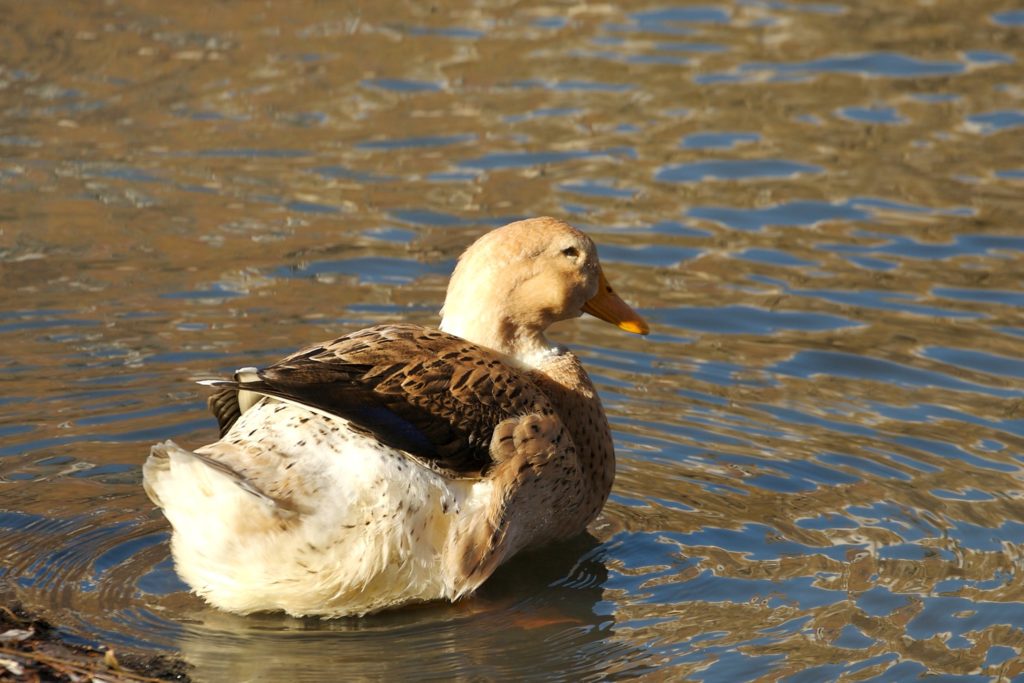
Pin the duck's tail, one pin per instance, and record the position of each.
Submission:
(170, 466)
(225, 527)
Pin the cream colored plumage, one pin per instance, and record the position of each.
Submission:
(400, 463)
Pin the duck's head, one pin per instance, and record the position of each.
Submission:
(514, 282)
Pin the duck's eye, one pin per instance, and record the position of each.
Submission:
(571, 252)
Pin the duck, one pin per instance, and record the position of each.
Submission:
(403, 464)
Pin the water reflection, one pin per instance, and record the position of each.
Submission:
(545, 611)
(816, 204)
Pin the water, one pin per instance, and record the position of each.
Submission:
(816, 205)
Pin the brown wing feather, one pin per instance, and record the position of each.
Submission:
(433, 395)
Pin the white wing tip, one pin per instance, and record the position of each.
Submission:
(249, 374)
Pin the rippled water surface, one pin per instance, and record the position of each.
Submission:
(817, 206)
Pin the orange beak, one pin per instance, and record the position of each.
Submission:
(607, 306)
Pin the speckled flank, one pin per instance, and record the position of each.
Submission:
(563, 379)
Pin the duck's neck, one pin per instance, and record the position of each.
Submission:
(528, 347)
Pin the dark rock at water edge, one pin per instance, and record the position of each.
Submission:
(31, 649)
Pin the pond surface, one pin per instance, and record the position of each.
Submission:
(817, 206)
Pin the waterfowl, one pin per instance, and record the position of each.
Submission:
(401, 463)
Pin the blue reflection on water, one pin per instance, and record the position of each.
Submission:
(402, 85)
(697, 14)
(414, 142)
(498, 160)
(444, 31)
(977, 360)
(650, 255)
(747, 319)
(773, 256)
(839, 364)
(719, 140)
(733, 169)
(885, 115)
(789, 213)
(989, 57)
(988, 296)
(1009, 18)
(886, 64)
(997, 121)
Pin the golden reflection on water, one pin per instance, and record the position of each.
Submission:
(820, 444)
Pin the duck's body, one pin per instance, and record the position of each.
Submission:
(400, 463)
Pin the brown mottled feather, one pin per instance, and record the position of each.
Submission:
(433, 395)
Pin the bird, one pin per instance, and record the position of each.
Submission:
(402, 464)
